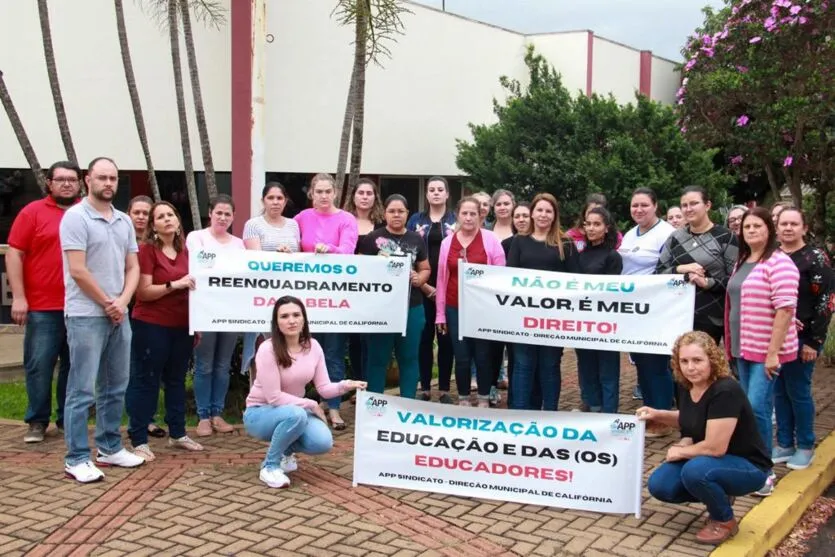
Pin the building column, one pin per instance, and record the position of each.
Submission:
(645, 80)
(589, 62)
(248, 37)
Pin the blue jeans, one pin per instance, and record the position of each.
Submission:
(289, 429)
(99, 373)
(467, 352)
(655, 379)
(212, 361)
(794, 405)
(706, 479)
(405, 350)
(760, 391)
(158, 355)
(599, 373)
(532, 361)
(427, 351)
(44, 341)
(334, 345)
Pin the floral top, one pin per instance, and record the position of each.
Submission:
(816, 295)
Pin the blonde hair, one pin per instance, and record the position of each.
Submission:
(554, 238)
(715, 355)
(322, 177)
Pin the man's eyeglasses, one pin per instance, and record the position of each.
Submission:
(70, 181)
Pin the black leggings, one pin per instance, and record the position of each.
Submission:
(425, 352)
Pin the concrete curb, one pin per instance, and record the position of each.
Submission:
(770, 521)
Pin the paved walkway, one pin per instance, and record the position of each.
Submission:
(213, 504)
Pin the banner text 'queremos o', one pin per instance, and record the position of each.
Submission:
(236, 291)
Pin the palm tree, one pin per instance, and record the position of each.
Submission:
(210, 12)
(188, 165)
(20, 133)
(376, 22)
(54, 84)
(134, 97)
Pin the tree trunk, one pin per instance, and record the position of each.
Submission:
(194, 77)
(20, 133)
(191, 188)
(130, 79)
(54, 84)
(772, 181)
(345, 139)
(360, 61)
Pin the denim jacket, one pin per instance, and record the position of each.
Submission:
(420, 223)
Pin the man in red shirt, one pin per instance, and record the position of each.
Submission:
(34, 264)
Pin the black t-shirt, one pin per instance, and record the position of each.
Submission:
(528, 253)
(381, 241)
(600, 260)
(724, 399)
(434, 238)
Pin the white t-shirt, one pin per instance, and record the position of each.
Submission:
(640, 252)
(272, 237)
(204, 239)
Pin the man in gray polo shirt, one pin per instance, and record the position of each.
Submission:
(101, 272)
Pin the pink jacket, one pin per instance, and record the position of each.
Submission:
(770, 286)
(495, 256)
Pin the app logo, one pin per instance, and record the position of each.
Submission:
(376, 406)
(206, 259)
(623, 429)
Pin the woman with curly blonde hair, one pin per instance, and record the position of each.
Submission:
(721, 453)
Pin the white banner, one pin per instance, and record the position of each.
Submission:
(630, 313)
(571, 460)
(236, 291)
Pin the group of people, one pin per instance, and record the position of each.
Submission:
(78, 267)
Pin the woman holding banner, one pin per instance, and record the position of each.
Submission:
(721, 453)
(395, 241)
(269, 231)
(760, 330)
(599, 370)
(213, 355)
(433, 225)
(705, 253)
(640, 251)
(276, 410)
(469, 244)
(543, 248)
(328, 229)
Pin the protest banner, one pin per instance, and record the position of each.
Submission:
(571, 460)
(236, 291)
(638, 313)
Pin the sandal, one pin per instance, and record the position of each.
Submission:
(145, 452)
(155, 431)
(336, 420)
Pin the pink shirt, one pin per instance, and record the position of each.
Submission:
(771, 285)
(280, 387)
(336, 230)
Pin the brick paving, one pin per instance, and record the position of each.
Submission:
(212, 503)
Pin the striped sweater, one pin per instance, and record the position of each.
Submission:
(771, 285)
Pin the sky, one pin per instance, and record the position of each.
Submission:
(661, 26)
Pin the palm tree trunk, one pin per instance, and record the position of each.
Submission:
(194, 77)
(345, 139)
(130, 79)
(360, 61)
(191, 188)
(20, 133)
(54, 84)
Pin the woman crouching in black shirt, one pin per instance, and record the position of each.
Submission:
(720, 454)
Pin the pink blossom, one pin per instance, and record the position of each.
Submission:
(708, 52)
(684, 82)
(735, 10)
(742, 69)
(724, 33)
(788, 161)
(783, 3)
(802, 20)
(794, 10)
(737, 160)
(689, 65)
(742, 121)
(683, 129)
(755, 40)
(770, 23)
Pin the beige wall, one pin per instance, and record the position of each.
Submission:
(568, 53)
(666, 80)
(616, 70)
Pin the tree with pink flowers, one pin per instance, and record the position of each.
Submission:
(759, 81)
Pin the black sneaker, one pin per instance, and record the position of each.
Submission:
(426, 397)
(445, 399)
(35, 434)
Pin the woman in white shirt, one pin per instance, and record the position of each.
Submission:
(640, 251)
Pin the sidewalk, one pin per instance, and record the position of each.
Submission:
(213, 504)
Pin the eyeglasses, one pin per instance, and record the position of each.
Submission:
(70, 181)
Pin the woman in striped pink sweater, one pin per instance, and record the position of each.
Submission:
(759, 318)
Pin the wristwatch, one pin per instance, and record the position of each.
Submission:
(168, 285)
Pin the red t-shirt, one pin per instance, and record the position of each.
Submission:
(474, 253)
(35, 233)
(172, 309)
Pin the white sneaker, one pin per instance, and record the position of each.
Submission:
(86, 472)
(289, 463)
(123, 458)
(274, 477)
